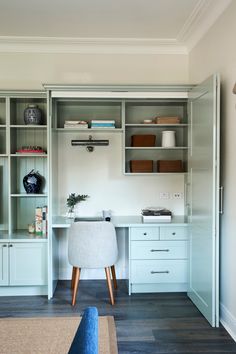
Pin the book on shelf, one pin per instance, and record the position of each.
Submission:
(41, 221)
(157, 214)
(100, 121)
(80, 124)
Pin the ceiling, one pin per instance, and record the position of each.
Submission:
(173, 24)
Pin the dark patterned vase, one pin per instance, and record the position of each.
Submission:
(32, 182)
(33, 115)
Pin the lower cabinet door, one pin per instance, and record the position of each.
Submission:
(3, 264)
(158, 271)
(28, 263)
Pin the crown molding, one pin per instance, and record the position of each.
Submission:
(203, 16)
(90, 45)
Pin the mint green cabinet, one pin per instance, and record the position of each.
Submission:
(23, 263)
(3, 263)
(158, 259)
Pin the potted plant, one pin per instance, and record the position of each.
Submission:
(72, 200)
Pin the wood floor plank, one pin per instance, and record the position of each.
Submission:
(163, 323)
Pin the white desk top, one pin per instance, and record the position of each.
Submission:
(122, 221)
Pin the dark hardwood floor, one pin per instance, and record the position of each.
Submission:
(145, 323)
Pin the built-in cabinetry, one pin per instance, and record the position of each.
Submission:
(23, 263)
(136, 112)
(74, 109)
(24, 258)
(158, 258)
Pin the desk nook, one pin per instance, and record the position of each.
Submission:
(139, 166)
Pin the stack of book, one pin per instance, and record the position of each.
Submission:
(156, 215)
(41, 221)
(76, 124)
(102, 124)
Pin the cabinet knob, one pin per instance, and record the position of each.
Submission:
(10, 246)
(173, 233)
(145, 233)
(4, 245)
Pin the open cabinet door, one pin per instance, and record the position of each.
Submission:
(204, 198)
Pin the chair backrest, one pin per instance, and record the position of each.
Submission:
(92, 244)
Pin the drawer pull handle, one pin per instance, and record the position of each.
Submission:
(160, 272)
(165, 250)
(4, 245)
(145, 233)
(173, 233)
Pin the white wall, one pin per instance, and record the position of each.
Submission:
(216, 52)
(30, 70)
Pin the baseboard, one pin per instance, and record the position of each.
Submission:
(228, 321)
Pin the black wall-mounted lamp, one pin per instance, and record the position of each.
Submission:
(90, 143)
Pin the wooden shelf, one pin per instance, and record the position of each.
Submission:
(88, 130)
(142, 125)
(156, 148)
(28, 155)
(154, 173)
(28, 126)
(28, 195)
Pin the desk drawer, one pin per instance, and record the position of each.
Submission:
(158, 250)
(174, 233)
(155, 271)
(145, 233)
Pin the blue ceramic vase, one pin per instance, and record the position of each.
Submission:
(33, 115)
(32, 182)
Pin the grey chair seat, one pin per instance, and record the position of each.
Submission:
(92, 245)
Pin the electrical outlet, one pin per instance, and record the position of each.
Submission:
(164, 195)
(177, 195)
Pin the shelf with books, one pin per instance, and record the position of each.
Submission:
(23, 213)
(81, 110)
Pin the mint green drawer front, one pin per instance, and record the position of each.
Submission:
(145, 233)
(158, 250)
(159, 271)
(174, 233)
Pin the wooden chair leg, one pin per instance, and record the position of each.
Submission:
(113, 272)
(76, 283)
(73, 278)
(108, 276)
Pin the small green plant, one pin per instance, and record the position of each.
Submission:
(74, 199)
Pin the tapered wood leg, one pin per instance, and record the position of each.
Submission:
(76, 283)
(73, 278)
(113, 272)
(108, 276)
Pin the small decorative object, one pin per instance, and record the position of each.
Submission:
(106, 214)
(31, 228)
(33, 115)
(32, 182)
(168, 138)
(30, 150)
(72, 200)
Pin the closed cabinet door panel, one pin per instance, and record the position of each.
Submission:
(28, 264)
(158, 250)
(159, 271)
(145, 233)
(204, 200)
(3, 264)
(174, 233)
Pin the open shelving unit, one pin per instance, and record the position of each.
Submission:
(136, 111)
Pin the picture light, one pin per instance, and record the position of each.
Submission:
(89, 143)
